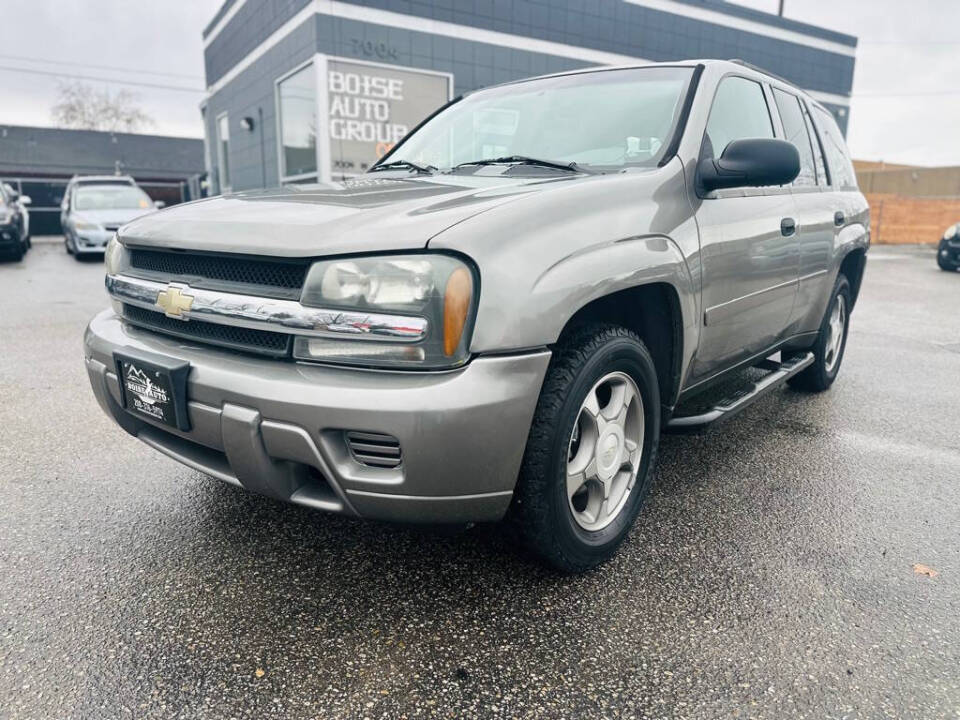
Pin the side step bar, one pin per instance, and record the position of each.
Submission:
(730, 406)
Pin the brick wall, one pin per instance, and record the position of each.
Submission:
(898, 220)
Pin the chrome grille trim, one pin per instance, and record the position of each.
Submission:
(374, 449)
(271, 314)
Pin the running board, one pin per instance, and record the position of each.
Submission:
(780, 372)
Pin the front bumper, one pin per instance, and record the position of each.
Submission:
(9, 237)
(949, 251)
(91, 241)
(278, 428)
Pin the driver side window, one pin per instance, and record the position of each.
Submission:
(739, 111)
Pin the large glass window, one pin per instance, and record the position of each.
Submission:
(842, 174)
(739, 112)
(601, 120)
(223, 151)
(796, 132)
(297, 105)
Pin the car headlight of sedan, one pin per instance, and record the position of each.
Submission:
(951, 231)
(413, 311)
(86, 226)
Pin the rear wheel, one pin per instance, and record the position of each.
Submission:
(589, 457)
(831, 342)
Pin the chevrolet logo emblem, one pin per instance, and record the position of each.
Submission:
(174, 301)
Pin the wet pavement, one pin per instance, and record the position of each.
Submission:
(771, 573)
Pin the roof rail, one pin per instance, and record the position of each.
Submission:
(759, 69)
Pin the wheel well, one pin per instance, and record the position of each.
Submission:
(653, 312)
(852, 267)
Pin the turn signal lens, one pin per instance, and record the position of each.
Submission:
(456, 307)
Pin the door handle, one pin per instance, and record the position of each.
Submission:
(839, 218)
(788, 226)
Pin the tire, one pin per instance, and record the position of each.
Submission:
(555, 526)
(66, 242)
(944, 265)
(16, 254)
(828, 356)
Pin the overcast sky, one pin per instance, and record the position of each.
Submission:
(906, 90)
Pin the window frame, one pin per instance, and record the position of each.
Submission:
(319, 65)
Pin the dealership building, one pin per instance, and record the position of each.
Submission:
(317, 90)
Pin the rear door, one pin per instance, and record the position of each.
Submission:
(748, 243)
(815, 211)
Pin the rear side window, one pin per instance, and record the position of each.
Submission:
(838, 158)
(739, 111)
(796, 132)
(817, 152)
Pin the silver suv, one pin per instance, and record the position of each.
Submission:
(501, 316)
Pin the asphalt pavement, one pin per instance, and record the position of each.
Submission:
(773, 572)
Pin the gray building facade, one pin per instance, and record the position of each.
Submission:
(306, 90)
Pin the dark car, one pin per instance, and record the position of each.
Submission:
(948, 255)
(13, 235)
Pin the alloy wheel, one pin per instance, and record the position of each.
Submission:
(604, 452)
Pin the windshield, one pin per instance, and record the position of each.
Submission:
(600, 120)
(111, 197)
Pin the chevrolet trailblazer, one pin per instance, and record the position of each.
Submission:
(502, 315)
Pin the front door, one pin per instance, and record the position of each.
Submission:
(748, 243)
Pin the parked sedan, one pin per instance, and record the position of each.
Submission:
(948, 255)
(13, 236)
(93, 213)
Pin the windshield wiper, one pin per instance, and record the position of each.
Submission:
(524, 160)
(424, 169)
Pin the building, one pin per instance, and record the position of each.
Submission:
(301, 90)
(39, 162)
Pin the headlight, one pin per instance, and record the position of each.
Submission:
(84, 225)
(112, 256)
(951, 231)
(391, 311)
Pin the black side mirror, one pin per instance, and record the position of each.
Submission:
(754, 162)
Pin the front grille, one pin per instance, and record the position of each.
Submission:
(261, 342)
(252, 275)
(374, 449)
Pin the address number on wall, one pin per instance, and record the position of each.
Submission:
(369, 48)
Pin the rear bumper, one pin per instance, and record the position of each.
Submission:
(277, 427)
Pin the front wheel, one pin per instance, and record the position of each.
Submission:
(590, 453)
(831, 342)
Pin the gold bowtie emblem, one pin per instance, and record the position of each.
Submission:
(174, 301)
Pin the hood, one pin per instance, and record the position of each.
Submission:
(112, 218)
(360, 215)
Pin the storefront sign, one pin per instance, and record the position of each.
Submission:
(371, 107)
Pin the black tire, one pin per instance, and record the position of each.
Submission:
(16, 254)
(944, 265)
(820, 375)
(541, 508)
(66, 242)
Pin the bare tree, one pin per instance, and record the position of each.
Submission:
(82, 107)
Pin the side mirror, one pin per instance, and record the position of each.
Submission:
(25, 199)
(159, 204)
(754, 162)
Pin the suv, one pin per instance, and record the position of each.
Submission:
(501, 316)
(948, 254)
(95, 206)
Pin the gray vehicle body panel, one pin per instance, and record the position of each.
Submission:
(546, 244)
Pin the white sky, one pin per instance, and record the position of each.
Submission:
(905, 108)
